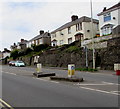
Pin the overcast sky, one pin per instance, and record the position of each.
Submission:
(24, 18)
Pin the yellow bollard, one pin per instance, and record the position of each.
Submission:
(71, 70)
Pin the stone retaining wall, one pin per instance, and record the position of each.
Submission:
(105, 57)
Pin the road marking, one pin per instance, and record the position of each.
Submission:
(79, 84)
(6, 104)
(10, 73)
(110, 83)
(54, 81)
(92, 84)
(99, 90)
(1, 105)
(115, 91)
(46, 80)
(103, 83)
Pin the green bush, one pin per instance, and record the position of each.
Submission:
(27, 51)
(14, 54)
(40, 47)
(73, 49)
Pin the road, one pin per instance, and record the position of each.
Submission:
(21, 89)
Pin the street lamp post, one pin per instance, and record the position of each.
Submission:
(92, 36)
(86, 56)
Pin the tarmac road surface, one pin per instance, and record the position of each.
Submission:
(21, 89)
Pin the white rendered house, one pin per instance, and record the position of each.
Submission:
(109, 19)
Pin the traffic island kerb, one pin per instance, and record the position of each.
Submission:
(41, 74)
(73, 79)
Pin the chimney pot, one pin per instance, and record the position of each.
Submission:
(74, 17)
(41, 32)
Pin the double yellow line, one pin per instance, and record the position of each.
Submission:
(5, 105)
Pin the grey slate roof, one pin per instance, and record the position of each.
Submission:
(115, 7)
(46, 34)
(82, 19)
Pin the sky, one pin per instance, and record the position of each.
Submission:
(23, 19)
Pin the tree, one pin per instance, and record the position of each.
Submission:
(14, 54)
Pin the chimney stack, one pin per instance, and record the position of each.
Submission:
(104, 9)
(41, 32)
(74, 17)
(22, 40)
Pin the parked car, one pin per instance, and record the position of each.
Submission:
(11, 63)
(19, 64)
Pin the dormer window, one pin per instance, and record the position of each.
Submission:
(107, 17)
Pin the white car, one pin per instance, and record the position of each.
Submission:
(19, 64)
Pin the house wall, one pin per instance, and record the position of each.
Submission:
(88, 26)
(46, 40)
(115, 21)
(1, 55)
(6, 54)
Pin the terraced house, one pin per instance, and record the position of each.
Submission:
(77, 29)
(42, 38)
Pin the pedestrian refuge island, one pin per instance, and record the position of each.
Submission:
(70, 75)
(40, 73)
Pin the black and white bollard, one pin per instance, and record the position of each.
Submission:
(39, 68)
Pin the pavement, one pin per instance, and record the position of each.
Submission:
(109, 72)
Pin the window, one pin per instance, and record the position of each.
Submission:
(61, 42)
(97, 27)
(35, 42)
(107, 17)
(41, 41)
(38, 42)
(69, 40)
(54, 43)
(78, 26)
(69, 30)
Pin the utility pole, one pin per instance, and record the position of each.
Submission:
(92, 35)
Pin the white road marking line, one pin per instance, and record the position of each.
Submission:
(41, 79)
(103, 83)
(10, 73)
(99, 90)
(2, 101)
(54, 81)
(91, 84)
(110, 83)
(45, 80)
(115, 91)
